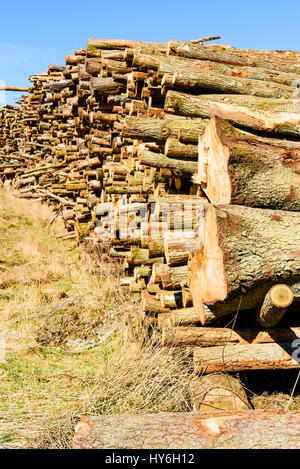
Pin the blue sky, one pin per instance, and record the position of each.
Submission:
(34, 34)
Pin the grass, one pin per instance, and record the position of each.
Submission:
(54, 295)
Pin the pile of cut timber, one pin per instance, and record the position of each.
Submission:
(183, 160)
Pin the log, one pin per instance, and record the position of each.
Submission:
(158, 160)
(259, 429)
(15, 88)
(275, 305)
(173, 278)
(163, 319)
(218, 392)
(170, 299)
(240, 57)
(245, 357)
(122, 44)
(159, 130)
(184, 317)
(177, 252)
(152, 307)
(105, 86)
(245, 252)
(252, 73)
(175, 149)
(238, 168)
(205, 80)
(185, 336)
(281, 116)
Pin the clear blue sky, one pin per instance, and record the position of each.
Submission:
(34, 33)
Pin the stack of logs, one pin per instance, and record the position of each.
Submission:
(183, 161)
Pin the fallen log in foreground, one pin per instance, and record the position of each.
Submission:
(255, 429)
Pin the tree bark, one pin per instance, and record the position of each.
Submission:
(255, 429)
(159, 130)
(173, 278)
(237, 168)
(281, 116)
(175, 149)
(270, 60)
(152, 307)
(122, 44)
(184, 317)
(105, 86)
(206, 80)
(184, 336)
(158, 160)
(251, 73)
(246, 357)
(245, 251)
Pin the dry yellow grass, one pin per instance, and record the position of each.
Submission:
(52, 293)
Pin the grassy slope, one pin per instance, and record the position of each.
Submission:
(53, 300)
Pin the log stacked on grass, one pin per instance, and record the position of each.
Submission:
(133, 140)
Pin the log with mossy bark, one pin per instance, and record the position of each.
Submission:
(242, 357)
(184, 336)
(237, 168)
(281, 116)
(158, 160)
(173, 278)
(244, 429)
(128, 190)
(175, 149)
(159, 130)
(245, 251)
